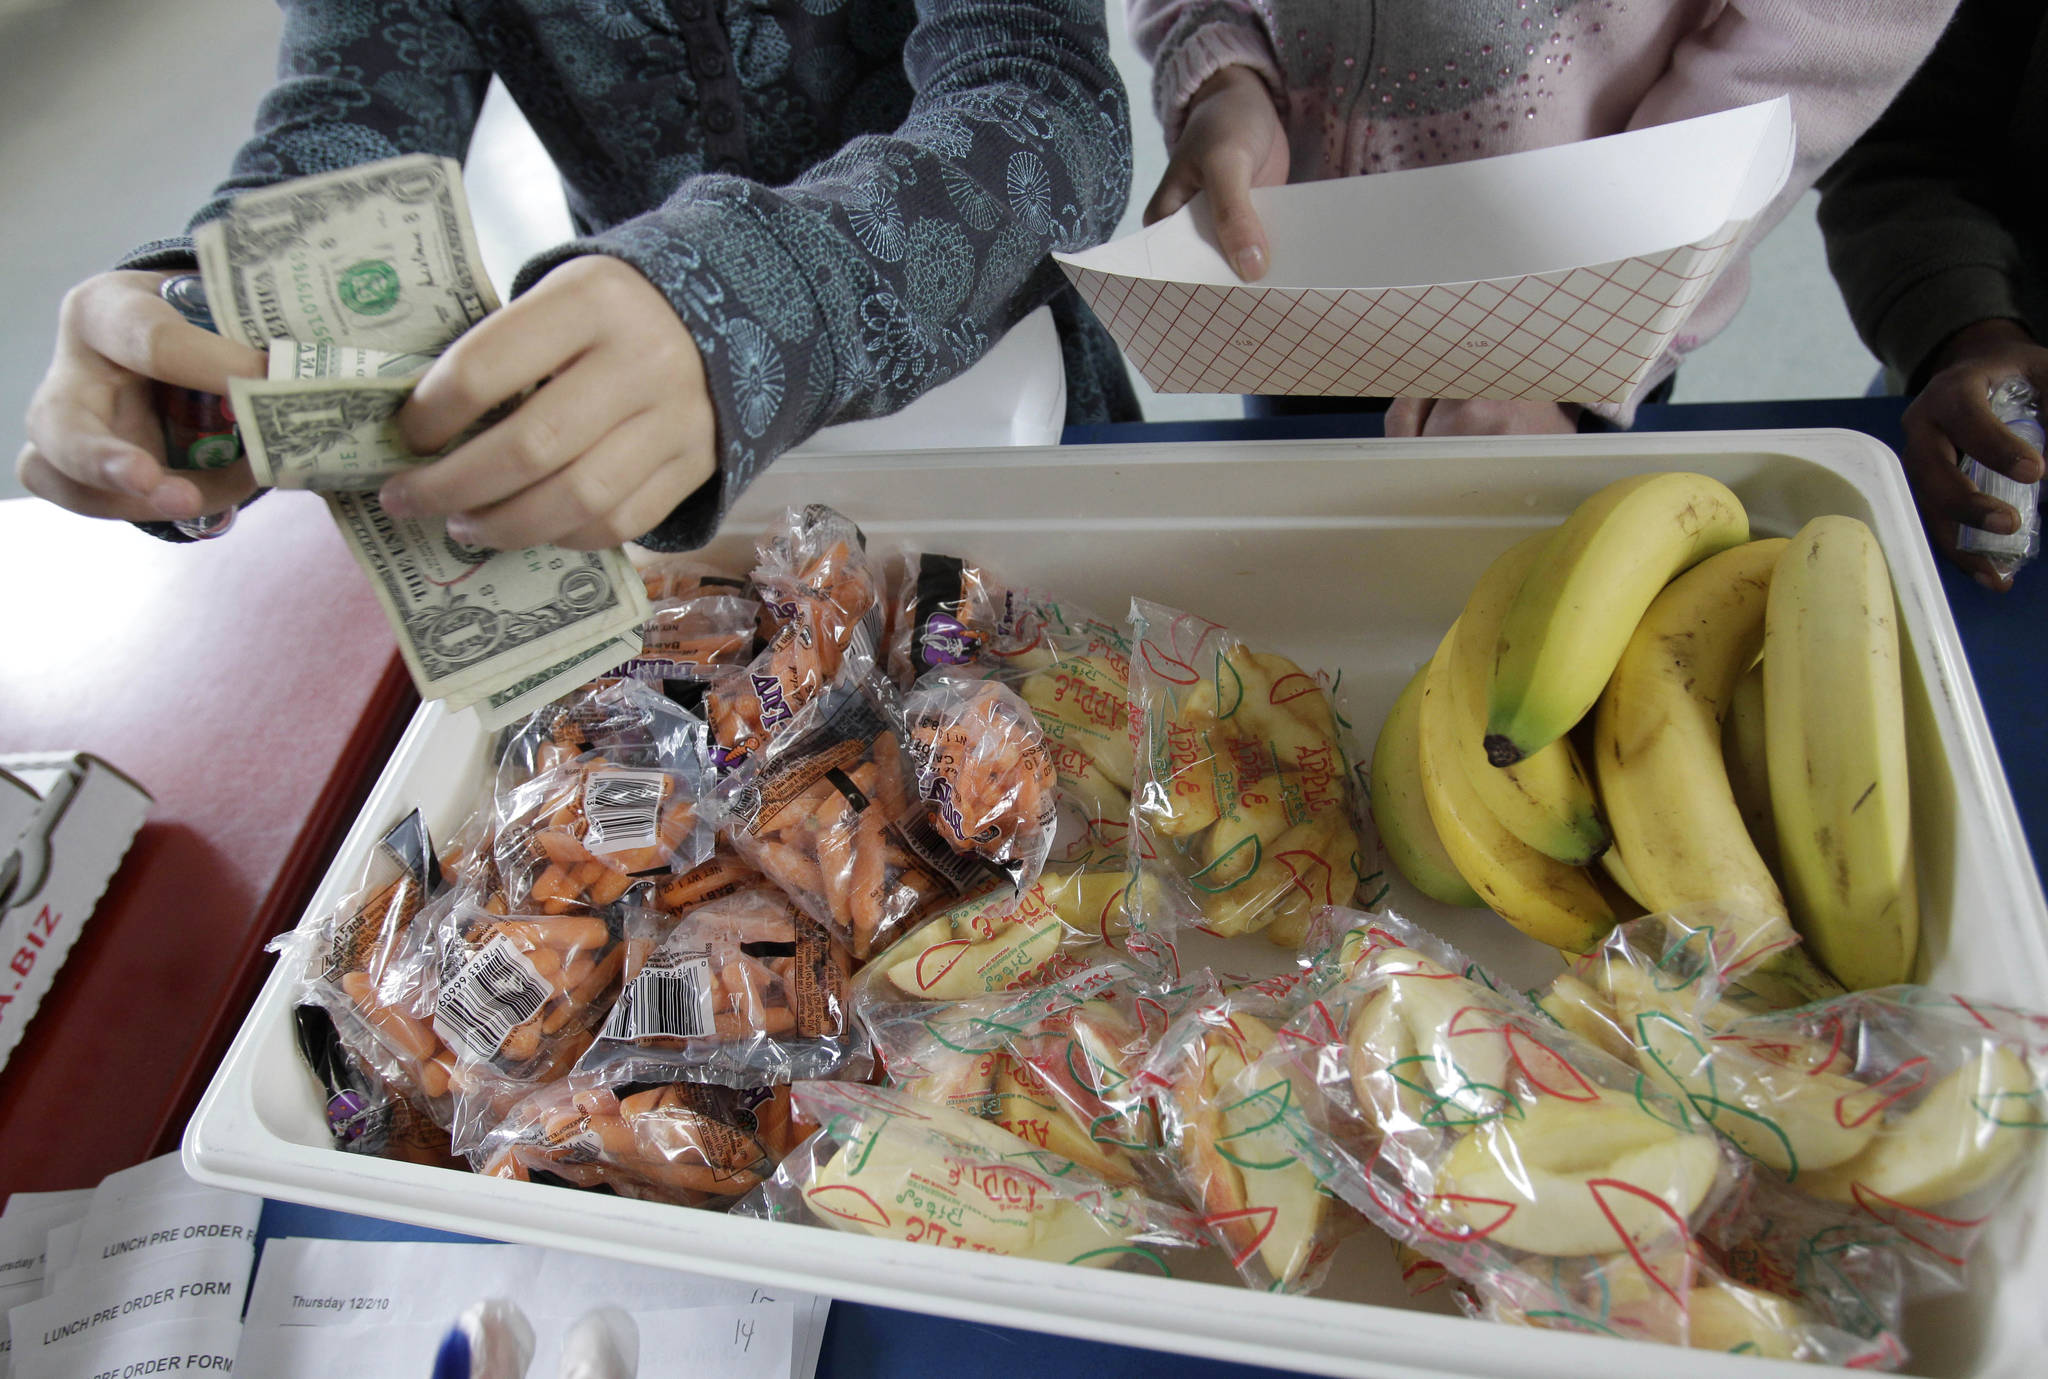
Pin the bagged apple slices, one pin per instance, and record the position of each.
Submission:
(1912, 1110)
(1055, 1067)
(682, 1143)
(886, 1164)
(1243, 803)
(1069, 919)
(1224, 1113)
(744, 991)
(1553, 1182)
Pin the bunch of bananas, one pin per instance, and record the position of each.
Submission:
(1740, 702)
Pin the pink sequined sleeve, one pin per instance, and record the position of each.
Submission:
(1841, 61)
(1189, 41)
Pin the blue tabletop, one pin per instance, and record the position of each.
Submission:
(2009, 669)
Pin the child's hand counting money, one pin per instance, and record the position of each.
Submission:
(619, 431)
(95, 441)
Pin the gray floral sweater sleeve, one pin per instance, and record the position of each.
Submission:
(846, 201)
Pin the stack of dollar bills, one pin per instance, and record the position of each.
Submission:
(354, 281)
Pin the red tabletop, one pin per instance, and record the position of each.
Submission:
(252, 686)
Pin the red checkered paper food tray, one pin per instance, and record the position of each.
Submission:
(1556, 274)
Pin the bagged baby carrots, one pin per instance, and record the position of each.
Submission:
(634, 721)
(520, 998)
(1244, 804)
(818, 587)
(983, 771)
(577, 837)
(830, 814)
(371, 964)
(682, 1143)
(746, 991)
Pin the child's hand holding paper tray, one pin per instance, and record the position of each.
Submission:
(1559, 274)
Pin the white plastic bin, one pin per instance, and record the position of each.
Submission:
(1354, 555)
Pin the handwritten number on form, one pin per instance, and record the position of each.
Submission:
(743, 1335)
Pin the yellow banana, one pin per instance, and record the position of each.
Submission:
(1399, 811)
(1576, 609)
(1657, 754)
(1545, 798)
(1835, 740)
(1742, 751)
(1544, 898)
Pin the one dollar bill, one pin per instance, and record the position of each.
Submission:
(471, 622)
(382, 255)
(326, 417)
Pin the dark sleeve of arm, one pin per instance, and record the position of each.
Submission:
(357, 81)
(894, 264)
(1911, 240)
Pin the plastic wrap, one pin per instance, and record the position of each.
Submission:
(1069, 919)
(1051, 1066)
(1559, 1186)
(577, 837)
(746, 991)
(948, 611)
(700, 620)
(520, 998)
(888, 1165)
(371, 964)
(1244, 805)
(1912, 1111)
(683, 1143)
(1261, 1203)
(365, 1113)
(1075, 675)
(2015, 403)
(819, 589)
(830, 813)
(635, 721)
(983, 772)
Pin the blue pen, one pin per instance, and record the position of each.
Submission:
(452, 1361)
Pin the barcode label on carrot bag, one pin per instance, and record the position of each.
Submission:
(623, 809)
(497, 991)
(665, 1002)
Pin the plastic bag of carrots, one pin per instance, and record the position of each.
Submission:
(747, 991)
(520, 997)
(823, 597)
(830, 813)
(683, 1143)
(983, 770)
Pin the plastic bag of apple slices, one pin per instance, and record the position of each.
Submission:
(983, 771)
(1226, 1133)
(613, 714)
(1057, 1067)
(822, 594)
(1912, 1110)
(1068, 920)
(747, 991)
(1074, 671)
(1555, 1183)
(830, 813)
(683, 1143)
(1243, 802)
(886, 1164)
(520, 997)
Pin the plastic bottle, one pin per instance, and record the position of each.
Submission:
(2015, 403)
(199, 429)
